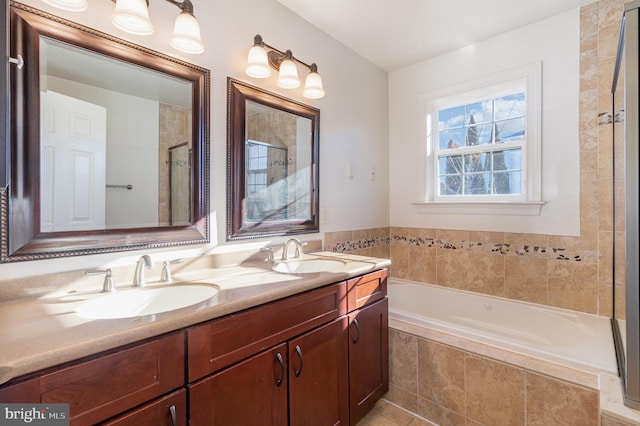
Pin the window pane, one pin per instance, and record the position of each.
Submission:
(476, 163)
(450, 165)
(451, 117)
(507, 183)
(476, 183)
(510, 130)
(479, 134)
(450, 139)
(507, 160)
(511, 106)
(450, 185)
(479, 112)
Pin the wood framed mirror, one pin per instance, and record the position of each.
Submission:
(92, 121)
(272, 164)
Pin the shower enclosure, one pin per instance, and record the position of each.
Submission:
(626, 133)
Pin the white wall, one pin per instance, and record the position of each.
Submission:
(353, 121)
(555, 43)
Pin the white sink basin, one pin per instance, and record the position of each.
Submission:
(308, 266)
(145, 301)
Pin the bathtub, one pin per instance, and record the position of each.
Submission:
(559, 336)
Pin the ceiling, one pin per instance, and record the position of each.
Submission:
(394, 34)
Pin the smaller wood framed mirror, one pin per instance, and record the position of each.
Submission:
(272, 167)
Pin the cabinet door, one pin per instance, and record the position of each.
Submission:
(368, 358)
(318, 376)
(170, 410)
(108, 384)
(252, 392)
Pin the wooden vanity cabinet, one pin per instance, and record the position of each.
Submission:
(314, 358)
(101, 387)
(301, 378)
(368, 342)
(299, 382)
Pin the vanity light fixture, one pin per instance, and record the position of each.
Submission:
(69, 5)
(262, 58)
(132, 16)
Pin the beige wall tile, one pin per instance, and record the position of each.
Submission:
(438, 414)
(495, 392)
(402, 398)
(403, 360)
(552, 402)
(441, 375)
(526, 279)
(485, 273)
(572, 285)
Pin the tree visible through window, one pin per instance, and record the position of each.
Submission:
(479, 147)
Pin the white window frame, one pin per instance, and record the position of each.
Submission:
(527, 78)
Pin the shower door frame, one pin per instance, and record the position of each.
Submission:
(629, 355)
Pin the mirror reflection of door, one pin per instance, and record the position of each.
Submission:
(73, 166)
(266, 180)
(180, 185)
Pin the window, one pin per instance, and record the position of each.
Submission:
(479, 149)
(483, 143)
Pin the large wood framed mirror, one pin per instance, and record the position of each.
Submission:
(94, 125)
(273, 174)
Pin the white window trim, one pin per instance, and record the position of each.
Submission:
(530, 203)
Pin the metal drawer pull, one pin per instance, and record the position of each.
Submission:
(172, 411)
(299, 352)
(357, 337)
(281, 362)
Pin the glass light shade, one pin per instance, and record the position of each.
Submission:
(70, 5)
(132, 16)
(288, 77)
(186, 34)
(313, 86)
(257, 62)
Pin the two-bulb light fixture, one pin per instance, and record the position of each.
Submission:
(132, 16)
(262, 58)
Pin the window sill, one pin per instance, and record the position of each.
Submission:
(504, 208)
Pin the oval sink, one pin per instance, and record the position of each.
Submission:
(145, 301)
(308, 266)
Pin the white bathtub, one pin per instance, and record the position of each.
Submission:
(560, 336)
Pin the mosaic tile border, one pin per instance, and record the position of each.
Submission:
(557, 253)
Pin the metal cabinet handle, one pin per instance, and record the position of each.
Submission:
(172, 412)
(357, 326)
(299, 353)
(280, 379)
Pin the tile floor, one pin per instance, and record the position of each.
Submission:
(387, 414)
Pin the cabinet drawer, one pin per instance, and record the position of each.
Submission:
(110, 384)
(221, 342)
(366, 289)
(170, 410)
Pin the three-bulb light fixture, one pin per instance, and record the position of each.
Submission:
(262, 58)
(132, 16)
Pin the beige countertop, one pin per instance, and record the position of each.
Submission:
(45, 331)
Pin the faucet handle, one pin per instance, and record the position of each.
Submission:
(107, 286)
(165, 275)
(269, 258)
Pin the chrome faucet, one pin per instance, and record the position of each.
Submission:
(285, 249)
(107, 285)
(138, 275)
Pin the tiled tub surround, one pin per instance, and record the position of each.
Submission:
(533, 268)
(451, 377)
